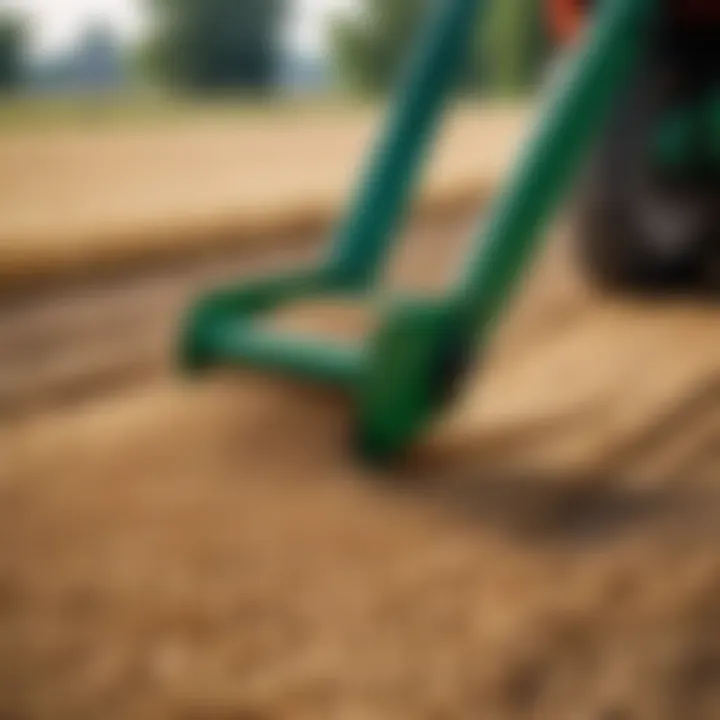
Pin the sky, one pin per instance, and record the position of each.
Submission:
(55, 23)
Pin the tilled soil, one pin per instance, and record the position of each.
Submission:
(213, 550)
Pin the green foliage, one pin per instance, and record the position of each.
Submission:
(216, 45)
(371, 47)
(517, 45)
(12, 47)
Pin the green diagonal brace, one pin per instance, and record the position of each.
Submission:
(377, 211)
(421, 342)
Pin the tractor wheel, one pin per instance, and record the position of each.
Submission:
(637, 230)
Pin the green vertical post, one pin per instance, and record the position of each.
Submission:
(386, 187)
(560, 141)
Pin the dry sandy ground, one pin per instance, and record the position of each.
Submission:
(84, 197)
(214, 552)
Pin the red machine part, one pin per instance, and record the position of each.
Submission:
(566, 18)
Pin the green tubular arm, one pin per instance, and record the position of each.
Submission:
(406, 373)
(306, 358)
(363, 239)
(424, 347)
(551, 160)
(240, 303)
(398, 393)
(374, 215)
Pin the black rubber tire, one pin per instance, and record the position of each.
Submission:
(616, 246)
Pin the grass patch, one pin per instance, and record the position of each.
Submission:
(42, 113)
(70, 112)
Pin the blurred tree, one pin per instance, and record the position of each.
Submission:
(517, 45)
(95, 63)
(12, 49)
(212, 45)
(370, 47)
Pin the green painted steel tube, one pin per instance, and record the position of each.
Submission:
(376, 212)
(561, 140)
(306, 358)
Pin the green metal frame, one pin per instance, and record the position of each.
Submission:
(400, 378)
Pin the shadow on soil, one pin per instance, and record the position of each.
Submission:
(582, 510)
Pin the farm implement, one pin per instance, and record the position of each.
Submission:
(632, 127)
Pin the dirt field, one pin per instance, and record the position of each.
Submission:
(212, 551)
(79, 198)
